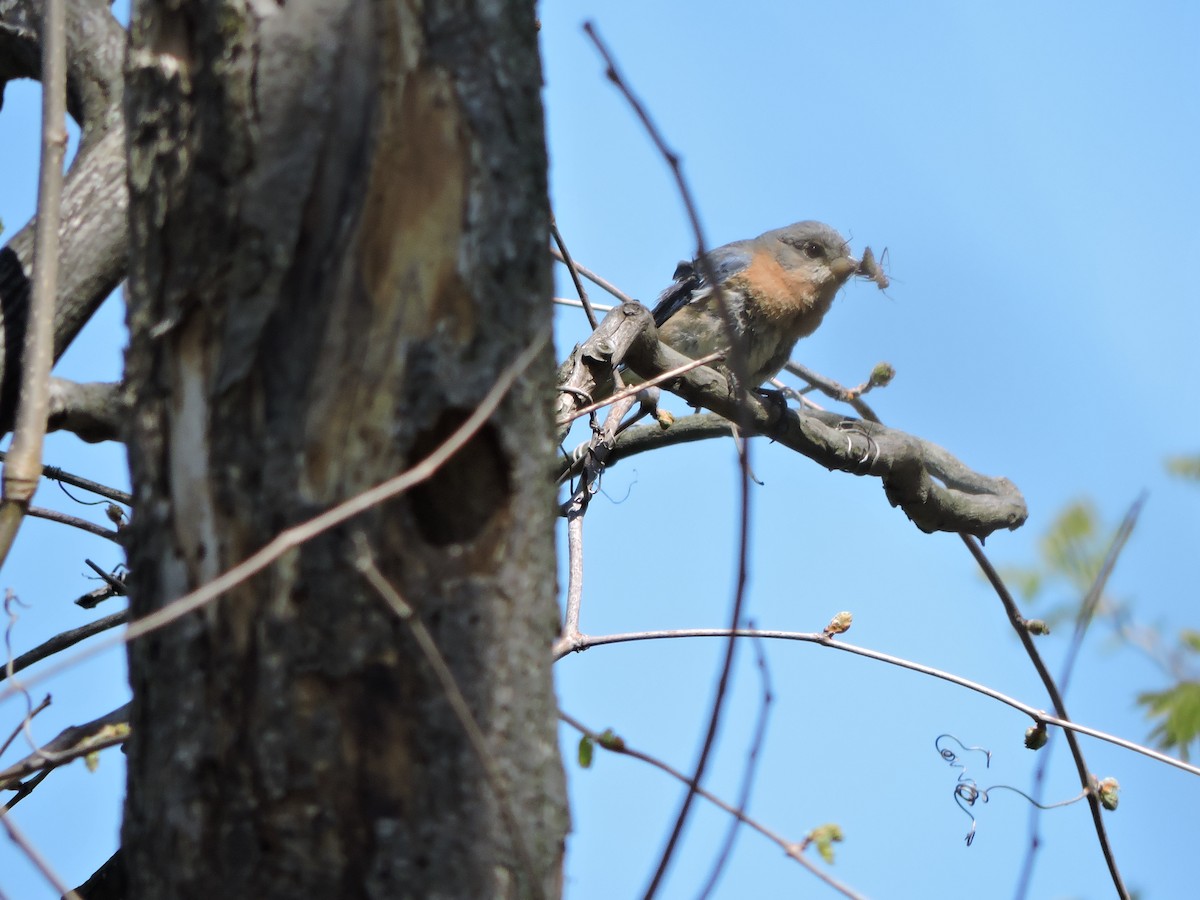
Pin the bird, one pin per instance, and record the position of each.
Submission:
(778, 287)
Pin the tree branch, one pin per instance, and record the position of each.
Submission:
(588, 641)
(935, 490)
(62, 641)
(24, 462)
(93, 233)
(71, 743)
(92, 411)
(794, 849)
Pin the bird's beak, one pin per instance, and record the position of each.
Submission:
(844, 266)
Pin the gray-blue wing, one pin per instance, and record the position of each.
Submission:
(690, 280)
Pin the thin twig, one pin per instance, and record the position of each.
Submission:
(736, 360)
(597, 307)
(641, 386)
(578, 505)
(595, 279)
(18, 837)
(26, 788)
(1038, 715)
(594, 461)
(115, 584)
(365, 563)
(299, 534)
(11, 602)
(24, 462)
(791, 848)
(570, 264)
(54, 473)
(1087, 610)
(62, 518)
(62, 641)
(835, 391)
(756, 744)
(24, 723)
(1085, 777)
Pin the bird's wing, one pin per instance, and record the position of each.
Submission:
(691, 282)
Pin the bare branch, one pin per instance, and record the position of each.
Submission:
(587, 374)
(964, 501)
(835, 391)
(595, 279)
(1085, 777)
(70, 744)
(571, 267)
(18, 837)
(62, 518)
(792, 848)
(94, 232)
(26, 719)
(592, 464)
(24, 462)
(62, 641)
(92, 411)
(575, 510)
(1038, 715)
(935, 490)
(642, 438)
(54, 473)
(1086, 610)
(756, 744)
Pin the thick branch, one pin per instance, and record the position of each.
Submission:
(95, 411)
(71, 743)
(95, 53)
(93, 232)
(587, 375)
(935, 490)
(642, 438)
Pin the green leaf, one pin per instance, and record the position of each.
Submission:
(1190, 638)
(1072, 546)
(824, 837)
(1186, 467)
(1178, 709)
(587, 750)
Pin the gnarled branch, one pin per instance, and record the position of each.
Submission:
(935, 489)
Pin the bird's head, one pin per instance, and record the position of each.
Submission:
(816, 249)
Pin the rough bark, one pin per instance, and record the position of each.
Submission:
(93, 232)
(338, 217)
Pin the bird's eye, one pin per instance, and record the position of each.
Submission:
(813, 250)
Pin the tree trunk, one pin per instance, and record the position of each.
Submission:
(339, 218)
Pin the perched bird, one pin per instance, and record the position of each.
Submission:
(778, 286)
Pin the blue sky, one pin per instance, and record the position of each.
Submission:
(1031, 170)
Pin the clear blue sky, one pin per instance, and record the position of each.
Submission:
(1031, 170)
